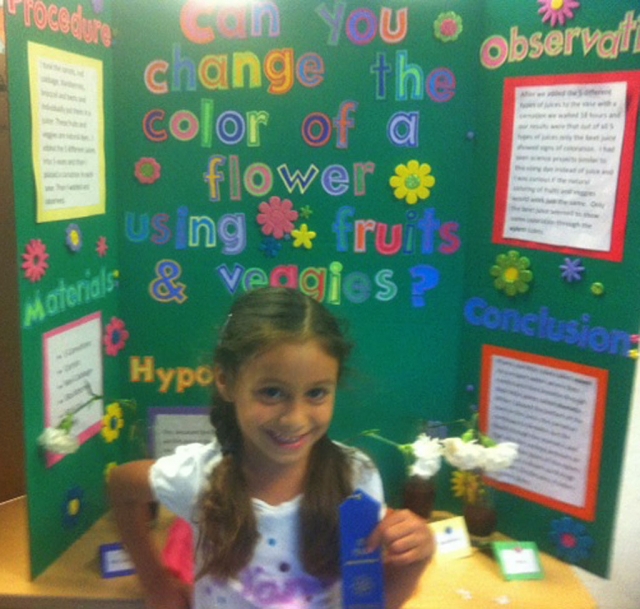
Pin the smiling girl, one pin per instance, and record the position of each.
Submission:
(263, 496)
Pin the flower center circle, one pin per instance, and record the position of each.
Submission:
(412, 182)
(74, 507)
(557, 5)
(449, 27)
(113, 424)
(511, 275)
(568, 541)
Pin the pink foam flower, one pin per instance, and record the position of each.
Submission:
(115, 337)
(147, 170)
(102, 247)
(277, 217)
(557, 11)
(35, 263)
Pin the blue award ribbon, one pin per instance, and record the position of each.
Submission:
(362, 571)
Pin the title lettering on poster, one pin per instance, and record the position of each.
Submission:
(62, 20)
(498, 50)
(208, 120)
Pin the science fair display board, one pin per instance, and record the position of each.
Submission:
(454, 179)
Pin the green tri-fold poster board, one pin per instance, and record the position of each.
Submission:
(169, 155)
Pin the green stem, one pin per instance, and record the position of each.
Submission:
(79, 408)
(375, 436)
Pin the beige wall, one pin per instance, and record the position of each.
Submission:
(12, 474)
(622, 591)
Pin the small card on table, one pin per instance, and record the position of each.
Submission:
(518, 559)
(114, 561)
(452, 538)
(362, 571)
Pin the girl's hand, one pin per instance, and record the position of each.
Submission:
(170, 594)
(405, 538)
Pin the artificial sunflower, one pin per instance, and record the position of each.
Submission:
(512, 274)
(468, 486)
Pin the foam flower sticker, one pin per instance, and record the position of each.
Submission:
(412, 182)
(305, 212)
(74, 238)
(512, 274)
(112, 422)
(557, 11)
(115, 337)
(35, 258)
(270, 247)
(102, 247)
(147, 170)
(277, 217)
(448, 26)
(303, 237)
(72, 507)
(572, 270)
(571, 539)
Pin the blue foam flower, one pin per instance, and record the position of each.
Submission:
(572, 270)
(270, 247)
(573, 543)
(72, 507)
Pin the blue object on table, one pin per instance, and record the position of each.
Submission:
(362, 571)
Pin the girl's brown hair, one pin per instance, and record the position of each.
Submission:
(258, 321)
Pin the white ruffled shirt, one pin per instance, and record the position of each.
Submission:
(274, 578)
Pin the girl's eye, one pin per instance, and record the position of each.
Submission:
(318, 394)
(270, 393)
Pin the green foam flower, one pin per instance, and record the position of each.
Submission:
(512, 274)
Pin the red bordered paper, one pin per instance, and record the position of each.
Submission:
(548, 438)
(616, 250)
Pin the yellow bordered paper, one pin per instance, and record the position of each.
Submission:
(452, 538)
(67, 115)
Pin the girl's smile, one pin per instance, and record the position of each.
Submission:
(284, 401)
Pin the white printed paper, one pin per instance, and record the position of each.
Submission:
(72, 372)
(564, 166)
(68, 133)
(550, 413)
(176, 427)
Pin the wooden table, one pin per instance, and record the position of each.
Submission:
(476, 582)
(74, 580)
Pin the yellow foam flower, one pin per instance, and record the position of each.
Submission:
(412, 182)
(303, 237)
(112, 422)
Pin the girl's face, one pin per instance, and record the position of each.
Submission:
(284, 402)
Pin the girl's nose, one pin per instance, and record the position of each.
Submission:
(293, 416)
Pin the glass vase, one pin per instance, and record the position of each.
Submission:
(419, 496)
(481, 519)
